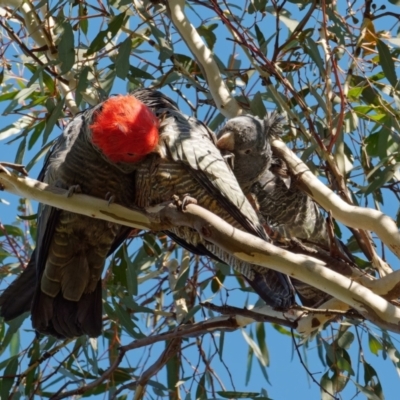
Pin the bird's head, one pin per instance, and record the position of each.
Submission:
(248, 139)
(125, 129)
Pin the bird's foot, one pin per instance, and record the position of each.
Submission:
(273, 234)
(186, 200)
(110, 197)
(74, 189)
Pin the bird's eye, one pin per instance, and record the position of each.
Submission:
(248, 151)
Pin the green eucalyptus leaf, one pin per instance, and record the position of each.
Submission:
(122, 62)
(326, 383)
(257, 106)
(82, 85)
(208, 34)
(311, 48)
(106, 35)
(55, 114)
(66, 48)
(387, 63)
(8, 381)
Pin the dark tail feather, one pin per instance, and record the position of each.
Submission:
(68, 319)
(17, 298)
(274, 288)
(309, 295)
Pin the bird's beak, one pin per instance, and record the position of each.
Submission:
(226, 141)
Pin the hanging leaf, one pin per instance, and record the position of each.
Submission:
(261, 39)
(66, 48)
(83, 22)
(257, 5)
(374, 344)
(53, 118)
(311, 48)
(82, 84)
(257, 106)
(380, 178)
(9, 377)
(104, 36)
(387, 63)
(122, 61)
(326, 387)
(208, 34)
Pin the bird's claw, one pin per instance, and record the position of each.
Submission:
(74, 189)
(110, 197)
(186, 200)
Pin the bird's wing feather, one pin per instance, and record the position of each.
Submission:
(198, 249)
(192, 144)
(23, 288)
(48, 216)
(17, 298)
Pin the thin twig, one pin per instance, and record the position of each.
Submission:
(307, 370)
(12, 245)
(29, 52)
(230, 310)
(328, 311)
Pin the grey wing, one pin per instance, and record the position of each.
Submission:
(290, 211)
(293, 214)
(17, 298)
(192, 144)
(48, 216)
(155, 99)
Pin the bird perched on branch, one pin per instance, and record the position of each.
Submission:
(281, 203)
(289, 211)
(190, 163)
(94, 155)
(143, 151)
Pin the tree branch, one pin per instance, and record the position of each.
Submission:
(79, 203)
(251, 314)
(192, 330)
(307, 269)
(224, 101)
(242, 245)
(353, 216)
(171, 349)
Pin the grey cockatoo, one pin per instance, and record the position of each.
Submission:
(95, 153)
(247, 138)
(283, 206)
(148, 170)
(190, 163)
